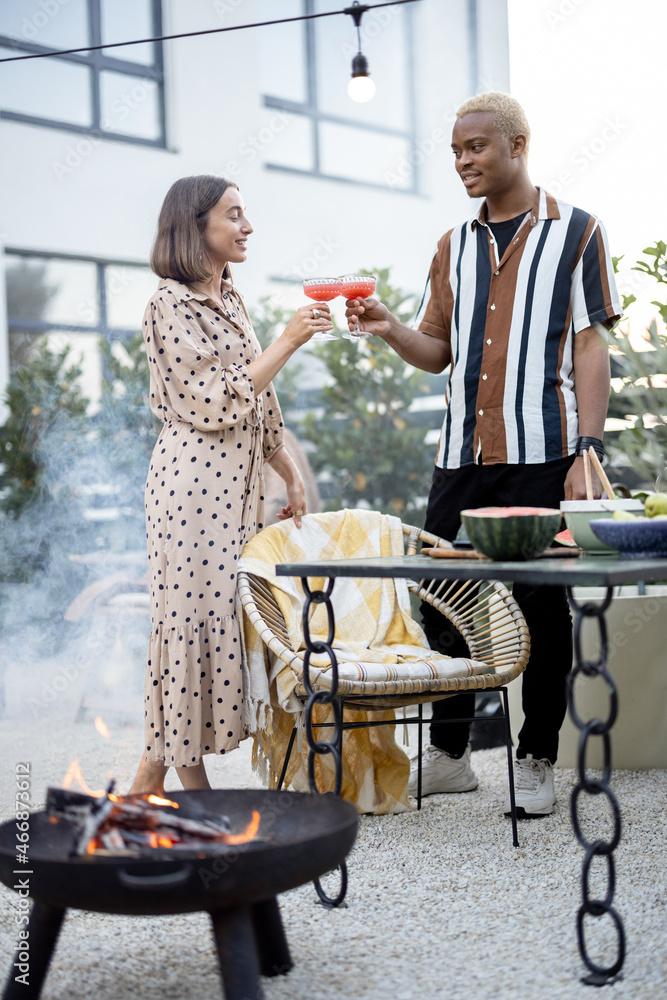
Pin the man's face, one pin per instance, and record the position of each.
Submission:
(485, 161)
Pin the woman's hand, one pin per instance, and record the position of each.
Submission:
(283, 463)
(373, 316)
(296, 502)
(307, 320)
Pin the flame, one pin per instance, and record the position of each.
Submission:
(74, 774)
(245, 835)
(155, 800)
(100, 726)
(164, 842)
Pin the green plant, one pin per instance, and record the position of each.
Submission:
(365, 440)
(44, 402)
(639, 452)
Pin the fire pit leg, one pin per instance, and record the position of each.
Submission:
(43, 927)
(237, 953)
(274, 956)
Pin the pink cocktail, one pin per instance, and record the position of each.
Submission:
(322, 290)
(358, 286)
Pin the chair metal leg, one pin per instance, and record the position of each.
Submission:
(287, 757)
(510, 765)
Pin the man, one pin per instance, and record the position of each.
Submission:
(518, 303)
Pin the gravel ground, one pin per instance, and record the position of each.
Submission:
(440, 903)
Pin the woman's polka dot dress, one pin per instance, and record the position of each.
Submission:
(203, 502)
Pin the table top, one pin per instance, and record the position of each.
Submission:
(594, 571)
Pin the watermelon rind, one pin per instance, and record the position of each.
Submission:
(511, 533)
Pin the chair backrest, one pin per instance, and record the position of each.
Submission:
(484, 612)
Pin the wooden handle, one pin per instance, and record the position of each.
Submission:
(437, 553)
(604, 479)
(587, 476)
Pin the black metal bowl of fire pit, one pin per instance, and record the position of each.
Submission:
(300, 837)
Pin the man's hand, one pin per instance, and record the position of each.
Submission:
(373, 316)
(575, 482)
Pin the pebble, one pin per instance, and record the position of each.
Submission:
(439, 903)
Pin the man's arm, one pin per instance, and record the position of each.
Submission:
(417, 348)
(592, 385)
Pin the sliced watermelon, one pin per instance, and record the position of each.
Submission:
(565, 538)
(511, 532)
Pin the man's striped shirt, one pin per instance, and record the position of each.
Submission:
(511, 395)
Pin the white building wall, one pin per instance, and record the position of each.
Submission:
(64, 192)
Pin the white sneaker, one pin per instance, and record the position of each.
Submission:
(442, 773)
(533, 788)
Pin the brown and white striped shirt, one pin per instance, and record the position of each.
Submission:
(511, 395)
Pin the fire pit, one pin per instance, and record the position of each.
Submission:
(299, 838)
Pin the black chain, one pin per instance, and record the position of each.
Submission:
(333, 746)
(599, 974)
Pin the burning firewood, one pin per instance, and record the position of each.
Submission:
(113, 824)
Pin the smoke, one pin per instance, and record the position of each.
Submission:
(74, 612)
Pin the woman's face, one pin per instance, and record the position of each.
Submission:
(227, 230)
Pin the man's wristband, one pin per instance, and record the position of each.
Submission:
(584, 443)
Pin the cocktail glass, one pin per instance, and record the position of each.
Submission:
(322, 290)
(357, 286)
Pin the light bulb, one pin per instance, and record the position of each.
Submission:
(361, 89)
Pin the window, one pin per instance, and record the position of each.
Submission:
(309, 124)
(112, 93)
(73, 301)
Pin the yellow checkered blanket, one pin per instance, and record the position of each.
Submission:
(376, 639)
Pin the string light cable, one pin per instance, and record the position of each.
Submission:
(355, 11)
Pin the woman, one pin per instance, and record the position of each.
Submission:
(211, 386)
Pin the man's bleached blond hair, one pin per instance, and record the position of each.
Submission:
(508, 115)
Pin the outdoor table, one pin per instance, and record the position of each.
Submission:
(567, 571)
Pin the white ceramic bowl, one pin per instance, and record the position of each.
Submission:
(578, 514)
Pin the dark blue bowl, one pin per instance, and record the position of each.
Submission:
(637, 539)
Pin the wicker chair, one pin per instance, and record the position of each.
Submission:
(485, 614)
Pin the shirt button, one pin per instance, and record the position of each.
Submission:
(493, 306)
(489, 341)
(497, 272)
(484, 377)
(492, 240)
(481, 413)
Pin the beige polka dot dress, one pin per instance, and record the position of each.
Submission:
(203, 502)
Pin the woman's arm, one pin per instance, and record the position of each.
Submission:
(285, 466)
(298, 332)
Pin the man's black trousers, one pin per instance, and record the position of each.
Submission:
(546, 609)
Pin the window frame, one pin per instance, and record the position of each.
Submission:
(310, 110)
(99, 329)
(98, 62)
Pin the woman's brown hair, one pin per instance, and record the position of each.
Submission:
(178, 250)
